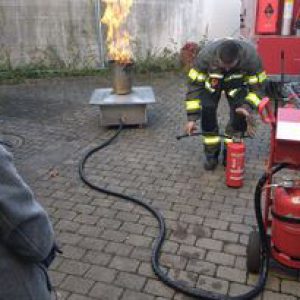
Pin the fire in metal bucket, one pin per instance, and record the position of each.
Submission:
(118, 44)
(118, 38)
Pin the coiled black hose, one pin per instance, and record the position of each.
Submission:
(162, 275)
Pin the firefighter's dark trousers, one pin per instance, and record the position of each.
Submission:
(209, 122)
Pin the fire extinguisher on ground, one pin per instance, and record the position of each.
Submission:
(235, 166)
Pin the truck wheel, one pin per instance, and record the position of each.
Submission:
(253, 252)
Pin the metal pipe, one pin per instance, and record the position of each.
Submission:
(100, 33)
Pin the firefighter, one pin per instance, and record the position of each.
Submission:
(231, 66)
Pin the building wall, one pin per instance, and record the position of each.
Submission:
(66, 32)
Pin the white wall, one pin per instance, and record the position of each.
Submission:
(66, 30)
(222, 17)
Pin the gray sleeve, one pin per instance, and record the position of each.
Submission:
(203, 59)
(24, 225)
(253, 62)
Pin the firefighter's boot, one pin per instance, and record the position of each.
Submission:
(210, 163)
(212, 156)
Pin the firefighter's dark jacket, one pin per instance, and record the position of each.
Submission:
(248, 73)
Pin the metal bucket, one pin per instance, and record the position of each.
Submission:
(122, 78)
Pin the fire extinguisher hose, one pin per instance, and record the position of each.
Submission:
(158, 243)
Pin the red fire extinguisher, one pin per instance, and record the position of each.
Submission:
(236, 151)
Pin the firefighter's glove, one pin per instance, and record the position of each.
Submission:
(250, 119)
(212, 84)
(190, 127)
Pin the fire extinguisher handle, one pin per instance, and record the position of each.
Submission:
(265, 111)
(179, 137)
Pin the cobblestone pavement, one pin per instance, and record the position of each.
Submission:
(106, 241)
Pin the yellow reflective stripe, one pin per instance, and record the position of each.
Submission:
(252, 79)
(253, 99)
(262, 77)
(208, 87)
(216, 75)
(234, 76)
(233, 92)
(201, 77)
(192, 105)
(211, 140)
(193, 74)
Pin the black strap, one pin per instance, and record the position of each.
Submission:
(285, 219)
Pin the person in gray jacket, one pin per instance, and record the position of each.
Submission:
(26, 238)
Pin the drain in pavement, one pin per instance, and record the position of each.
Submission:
(11, 139)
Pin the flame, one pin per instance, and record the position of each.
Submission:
(118, 39)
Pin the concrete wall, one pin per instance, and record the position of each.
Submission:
(66, 32)
(54, 31)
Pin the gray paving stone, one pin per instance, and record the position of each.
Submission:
(225, 236)
(191, 252)
(131, 295)
(141, 254)
(191, 219)
(79, 297)
(156, 288)
(69, 238)
(220, 258)
(138, 240)
(76, 284)
(275, 296)
(91, 231)
(232, 274)
(216, 224)
(210, 244)
(118, 249)
(290, 287)
(92, 243)
(62, 295)
(106, 292)
(124, 264)
(67, 226)
(102, 274)
(235, 218)
(56, 277)
(109, 223)
(235, 249)
(114, 235)
(97, 258)
(145, 269)
(130, 281)
(174, 261)
(201, 267)
(86, 219)
(132, 227)
(73, 267)
(237, 289)
(212, 284)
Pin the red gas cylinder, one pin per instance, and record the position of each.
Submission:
(235, 164)
(285, 233)
(267, 18)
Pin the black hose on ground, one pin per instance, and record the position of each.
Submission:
(158, 270)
